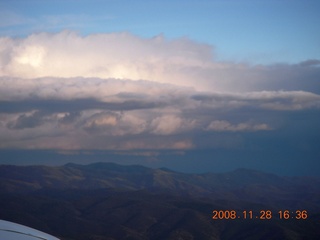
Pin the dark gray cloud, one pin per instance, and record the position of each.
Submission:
(27, 121)
(55, 105)
(136, 120)
(311, 62)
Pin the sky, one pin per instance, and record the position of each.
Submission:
(195, 86)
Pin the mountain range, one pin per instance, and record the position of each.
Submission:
(112, 201)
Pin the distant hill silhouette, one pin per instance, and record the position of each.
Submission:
(111, 201)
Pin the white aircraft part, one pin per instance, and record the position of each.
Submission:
(14, 231)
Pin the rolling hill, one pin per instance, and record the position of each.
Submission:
(111, 201)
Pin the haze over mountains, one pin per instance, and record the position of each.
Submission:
(111, 201)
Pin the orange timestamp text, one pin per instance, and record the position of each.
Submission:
(260, 215)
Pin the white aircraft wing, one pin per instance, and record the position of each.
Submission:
(14, 231)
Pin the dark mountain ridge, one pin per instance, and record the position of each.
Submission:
(103, 201)
(241, 184)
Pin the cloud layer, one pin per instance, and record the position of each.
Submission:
(120, 91)
(125, 56)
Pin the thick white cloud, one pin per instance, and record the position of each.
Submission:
(181, 62)
(114, 55)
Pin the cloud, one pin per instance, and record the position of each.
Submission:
(27, 120)
(181, 62)
(119, 91)
(169, 124)
(115, 124)
(222, 125)
(114, 55)
(273, 100)
(311, 62)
